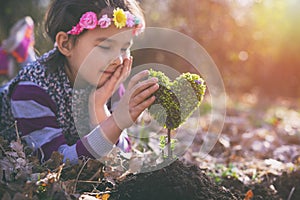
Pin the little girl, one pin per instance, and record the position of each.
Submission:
(52, 99)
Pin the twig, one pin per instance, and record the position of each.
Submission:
(60, 168)
(17, 132)
(95, 193)
(95, 182)
(76, 180)
(2, 148)
(97, 172)
(291, 193)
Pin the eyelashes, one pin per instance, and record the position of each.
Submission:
(107, 48)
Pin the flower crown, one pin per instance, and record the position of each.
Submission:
(120, 19)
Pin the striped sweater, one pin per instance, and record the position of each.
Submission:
(45, 118)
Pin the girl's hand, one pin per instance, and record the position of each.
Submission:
(135, 100)
(98, 98)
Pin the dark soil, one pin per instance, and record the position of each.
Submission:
(284, 187)
(260, 191)
(176, 181)
(288, 185)
(183, 181)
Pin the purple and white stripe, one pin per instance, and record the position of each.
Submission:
(35, 111)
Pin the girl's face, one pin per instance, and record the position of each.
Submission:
(97, 54)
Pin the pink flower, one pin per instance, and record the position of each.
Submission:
(104, 22)
(130, 22)
(88, 20)
(76, 30)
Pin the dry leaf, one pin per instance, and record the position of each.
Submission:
(105, 196)
(249, 195)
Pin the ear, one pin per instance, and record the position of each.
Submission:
(64, 45)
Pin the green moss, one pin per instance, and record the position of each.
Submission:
(176, 100)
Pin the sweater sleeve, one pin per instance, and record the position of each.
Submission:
(34, 112)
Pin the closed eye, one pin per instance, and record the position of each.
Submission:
(124, 49)
(104, 47)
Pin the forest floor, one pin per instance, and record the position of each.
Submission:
(256, 156)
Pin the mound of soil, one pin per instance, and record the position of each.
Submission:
(176, 181)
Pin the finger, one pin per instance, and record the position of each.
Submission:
(113, 80)
(138, 109)
(143, 85)
(118, 73)
(136, 78)
(126, 68)
(129, 66)
(143, 94)
(131, 61)
(128, 63)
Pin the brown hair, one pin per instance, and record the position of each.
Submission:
(62, 15)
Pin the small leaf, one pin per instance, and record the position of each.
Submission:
(105, 196)
(249, 195)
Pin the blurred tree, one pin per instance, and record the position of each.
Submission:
(277, 46)
(254, 43)
(210, 23)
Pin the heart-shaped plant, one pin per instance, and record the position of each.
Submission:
(176, 100)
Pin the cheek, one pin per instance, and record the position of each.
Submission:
(91, 70)
(99, 59)
(94, 62)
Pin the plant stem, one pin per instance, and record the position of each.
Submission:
(169, 144)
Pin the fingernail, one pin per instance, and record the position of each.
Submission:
(154, 79)
(146, 72)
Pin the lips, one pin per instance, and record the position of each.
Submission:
(107, 72)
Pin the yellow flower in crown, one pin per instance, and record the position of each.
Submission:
(120, 18)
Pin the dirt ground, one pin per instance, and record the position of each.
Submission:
(176, 181)
(256, 157)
